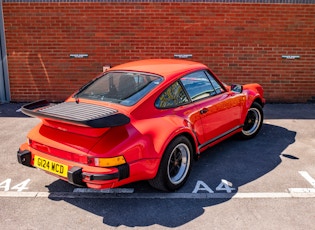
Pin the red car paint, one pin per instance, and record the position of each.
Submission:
(146, 130)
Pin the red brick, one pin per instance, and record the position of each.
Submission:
(240, 42)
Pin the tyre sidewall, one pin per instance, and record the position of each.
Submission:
(259, 108)
(165, 160)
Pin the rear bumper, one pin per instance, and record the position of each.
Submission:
(78, 176)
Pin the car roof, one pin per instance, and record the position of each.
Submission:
(162, 67)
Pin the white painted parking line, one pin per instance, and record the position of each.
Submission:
(302, 190)
(111, 190)
(308, 177)
(18, 194)
(201, 191)
(263, 195)
(293, 193)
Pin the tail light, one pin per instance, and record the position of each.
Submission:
(108, 162)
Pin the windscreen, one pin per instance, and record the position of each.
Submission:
(125, 88)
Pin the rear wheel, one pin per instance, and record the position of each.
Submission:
(175, 165)
(253, 121)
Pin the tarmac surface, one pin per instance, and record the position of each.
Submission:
(264, 183)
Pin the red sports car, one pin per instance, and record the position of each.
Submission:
(143, 120)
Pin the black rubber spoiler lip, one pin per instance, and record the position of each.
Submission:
(76, 113)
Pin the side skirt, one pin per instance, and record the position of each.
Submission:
(225, 134)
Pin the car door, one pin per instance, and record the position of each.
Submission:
(218, 110)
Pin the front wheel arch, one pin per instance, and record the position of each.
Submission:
(259, 101)
(253, 121)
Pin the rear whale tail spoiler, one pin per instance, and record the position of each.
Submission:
(83, 114)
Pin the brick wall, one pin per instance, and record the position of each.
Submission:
(241, 42)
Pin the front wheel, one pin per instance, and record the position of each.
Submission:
(175, 165)
(253, 121)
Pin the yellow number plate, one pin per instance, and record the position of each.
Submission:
(51, 166)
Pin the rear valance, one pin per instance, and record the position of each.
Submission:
(91, 115)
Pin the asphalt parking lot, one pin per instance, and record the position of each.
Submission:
(264, 183)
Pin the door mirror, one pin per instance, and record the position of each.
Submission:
(237, 88)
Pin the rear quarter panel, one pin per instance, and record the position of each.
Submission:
(160, 131)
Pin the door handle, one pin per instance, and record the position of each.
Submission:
(204, 110)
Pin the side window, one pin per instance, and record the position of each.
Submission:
(198, 85)
(217, 87)
(173, 96)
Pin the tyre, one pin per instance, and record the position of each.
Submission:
(175, 165)
(253, 121)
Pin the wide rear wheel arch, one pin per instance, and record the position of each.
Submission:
(175, 165)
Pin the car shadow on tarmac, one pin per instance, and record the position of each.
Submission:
(236, 161)
(289, 111)
(11, 110)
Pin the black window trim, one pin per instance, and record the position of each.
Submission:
(178, 105)
(208, 74)
(216, 79)
(204, 71)
(76, 95)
